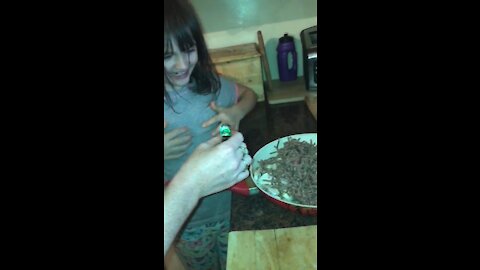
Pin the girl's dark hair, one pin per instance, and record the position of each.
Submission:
(182, 24)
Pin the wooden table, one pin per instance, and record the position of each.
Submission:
(287, 248)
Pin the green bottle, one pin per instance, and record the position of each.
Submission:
(225, 132)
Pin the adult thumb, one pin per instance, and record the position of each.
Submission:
(213, 141)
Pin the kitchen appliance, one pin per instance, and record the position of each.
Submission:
(287, 58)
(309, 48)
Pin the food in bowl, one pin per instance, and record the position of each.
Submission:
(292, 173)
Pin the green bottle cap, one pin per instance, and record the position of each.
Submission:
(225, 131)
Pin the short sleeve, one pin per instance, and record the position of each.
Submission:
(228, 93)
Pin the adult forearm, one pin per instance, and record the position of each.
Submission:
(179, 201)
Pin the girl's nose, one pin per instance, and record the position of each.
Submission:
(181, 61)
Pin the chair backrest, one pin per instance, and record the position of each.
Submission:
(266, 66)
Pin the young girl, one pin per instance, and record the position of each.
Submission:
(196, 102)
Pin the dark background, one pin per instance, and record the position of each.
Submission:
(82, 127)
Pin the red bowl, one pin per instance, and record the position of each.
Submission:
(245, 188)
(306, 211)
(260, 179)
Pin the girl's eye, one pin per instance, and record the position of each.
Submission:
(192, 49)
(167, 56)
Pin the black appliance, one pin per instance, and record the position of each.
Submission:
(309, 47)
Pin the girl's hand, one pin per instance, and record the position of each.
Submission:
(176, 142)
(225, 116)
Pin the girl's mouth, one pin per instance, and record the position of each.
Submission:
(179, 75)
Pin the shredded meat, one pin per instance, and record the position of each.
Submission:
(294, 170)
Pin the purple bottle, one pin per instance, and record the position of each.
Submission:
(286, 47)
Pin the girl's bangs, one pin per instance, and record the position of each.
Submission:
(183, 36)
(185, 39)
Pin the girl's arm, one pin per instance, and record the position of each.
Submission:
(246, 101)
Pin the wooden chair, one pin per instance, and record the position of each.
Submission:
(266, 66)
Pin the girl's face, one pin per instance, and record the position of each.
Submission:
(178, 65)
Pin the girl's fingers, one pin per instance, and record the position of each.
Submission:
(176, 155)
(180, 140)
(178, 151)
(216, 131)
(211, 121)
(176, 132)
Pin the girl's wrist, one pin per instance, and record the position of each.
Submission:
(237, 113)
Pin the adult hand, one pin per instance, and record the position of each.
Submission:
(175, 142)
(228, 116)
(215, 166)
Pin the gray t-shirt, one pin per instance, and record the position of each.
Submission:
(191, 111)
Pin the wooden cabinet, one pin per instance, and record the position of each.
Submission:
(240, 63)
